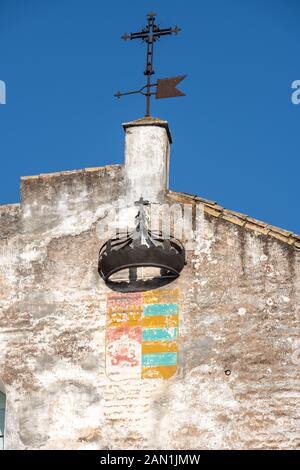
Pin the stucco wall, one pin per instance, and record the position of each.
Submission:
(238, 312)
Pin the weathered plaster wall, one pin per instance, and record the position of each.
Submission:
(238, 311)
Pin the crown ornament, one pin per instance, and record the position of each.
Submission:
(142, 259)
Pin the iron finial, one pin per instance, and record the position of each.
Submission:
(165, 88)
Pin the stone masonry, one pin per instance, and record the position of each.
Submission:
(237, 384)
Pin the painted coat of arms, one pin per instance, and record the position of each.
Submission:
(141, 335)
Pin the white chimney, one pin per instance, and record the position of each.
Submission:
(147, 154)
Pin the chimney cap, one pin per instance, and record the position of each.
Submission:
(149, 121)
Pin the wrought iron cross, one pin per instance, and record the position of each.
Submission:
(165, 87)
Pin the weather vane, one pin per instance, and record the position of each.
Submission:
(165, 87)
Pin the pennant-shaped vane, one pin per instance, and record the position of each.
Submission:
(166, 87)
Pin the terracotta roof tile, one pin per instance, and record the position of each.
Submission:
(212, 208)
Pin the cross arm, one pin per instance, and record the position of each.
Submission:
(138, 35)
(166, 31)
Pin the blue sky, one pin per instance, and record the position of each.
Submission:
(236, 133)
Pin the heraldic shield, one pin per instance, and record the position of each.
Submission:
(141, 335)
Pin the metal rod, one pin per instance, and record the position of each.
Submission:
(119, 94)
(149, 62)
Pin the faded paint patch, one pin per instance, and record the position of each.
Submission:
(123, 336)
(141, 335)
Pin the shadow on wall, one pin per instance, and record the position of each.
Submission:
(2, 413)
